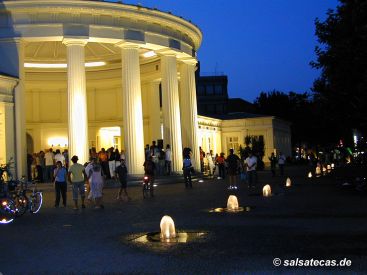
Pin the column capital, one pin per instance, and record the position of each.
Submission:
(167, 53)
(8, 83)
(189, 61)
(74, 41)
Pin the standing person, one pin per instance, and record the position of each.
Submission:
(43, 165)
(59, 157)
(93, 153)
(77, 177)
(149, 169)
(187, 167)
(39, 167)
(60, 174)
(251, 163)
(66, 156)
(202, 155)
(103, 160)
(233, 162)
(168, 158)
(122, 155)
(273, 163)
(210, 164)
(161, 162)
(49, 161)
(121, 174)
(117, 158)
(281, 163)
(147, 151)
(111, 162)
(96, 181)
(221, 166)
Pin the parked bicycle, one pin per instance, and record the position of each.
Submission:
(32, 203)
(15, 201)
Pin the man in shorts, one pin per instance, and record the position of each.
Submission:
(77, 177)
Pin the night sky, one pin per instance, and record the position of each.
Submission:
(261, 45)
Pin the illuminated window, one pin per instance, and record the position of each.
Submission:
(232, 143)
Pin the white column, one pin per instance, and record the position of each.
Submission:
(20, 111)
(171, 110)
(189, 110)
(154, 111)
(132, 109)
(77, 100)
(7, 134)
(7, 129)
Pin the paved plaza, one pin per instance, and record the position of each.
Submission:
(314, 219)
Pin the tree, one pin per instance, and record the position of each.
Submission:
(300, 110)
(341, 90)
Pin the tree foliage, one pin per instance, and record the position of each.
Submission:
(341, 90)
(297, 108)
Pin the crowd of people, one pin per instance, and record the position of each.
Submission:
(87, 180)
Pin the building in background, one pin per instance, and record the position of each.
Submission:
(81, 74)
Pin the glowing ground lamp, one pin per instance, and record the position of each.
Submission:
(288, 182)
(168, 230)
(267, 191)
(232, 203)
(168, 235)
(309, 175)
(318, 171)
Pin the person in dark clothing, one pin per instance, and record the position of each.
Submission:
(149, 168)
(187, 169)
(233, 163)
(121, 174)
(60, 173)
(273, 163)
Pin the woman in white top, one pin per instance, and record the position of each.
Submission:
(210, 163)
(94, 172)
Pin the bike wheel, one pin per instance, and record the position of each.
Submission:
(145, 191)
(7, 211)
(21, 203)
(36, 202)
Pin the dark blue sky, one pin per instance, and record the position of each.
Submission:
(260, 44)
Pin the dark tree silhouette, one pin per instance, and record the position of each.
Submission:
(341, 90)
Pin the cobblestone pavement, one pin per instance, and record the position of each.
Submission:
(314, 219)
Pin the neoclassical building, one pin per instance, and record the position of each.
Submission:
(78, 74)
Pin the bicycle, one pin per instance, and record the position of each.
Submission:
(33, 203)
(148, 188)
(15, 202)
(8, 207)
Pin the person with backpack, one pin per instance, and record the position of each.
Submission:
(233, 162)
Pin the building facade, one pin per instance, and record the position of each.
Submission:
(78, 74)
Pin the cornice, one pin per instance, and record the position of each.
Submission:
(114, 10)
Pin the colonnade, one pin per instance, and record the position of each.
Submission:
(179, 120)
